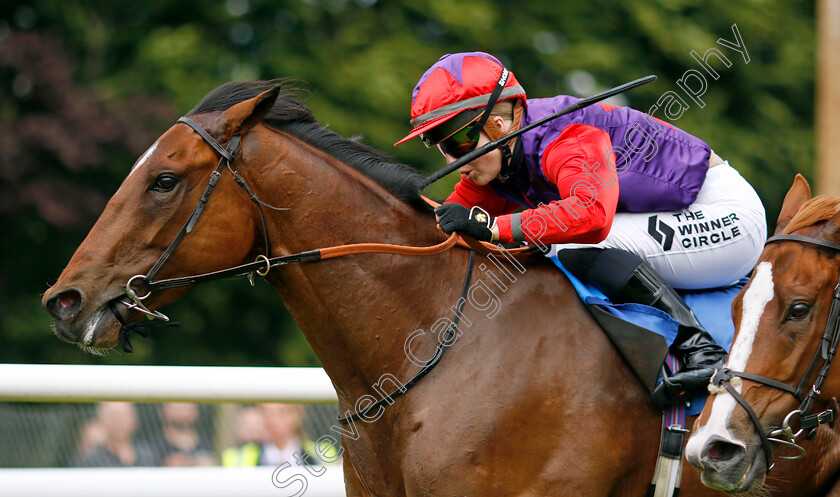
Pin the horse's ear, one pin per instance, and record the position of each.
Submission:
(245, 115)
(798, 194)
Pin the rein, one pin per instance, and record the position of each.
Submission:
(722, 380)
(263, 264)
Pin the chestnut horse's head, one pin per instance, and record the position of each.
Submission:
(145, 215)
(780, 318)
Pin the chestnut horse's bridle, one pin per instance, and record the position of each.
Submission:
(825, 352)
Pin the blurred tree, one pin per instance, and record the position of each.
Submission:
(86, 86)
(58, 143)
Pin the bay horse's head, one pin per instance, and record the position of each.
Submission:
(785, 338)
(140, 221)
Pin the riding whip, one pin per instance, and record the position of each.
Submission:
(489, 147)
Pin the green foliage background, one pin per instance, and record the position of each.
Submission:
(86, 87)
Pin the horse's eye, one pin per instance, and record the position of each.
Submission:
(164, 183)
(799, 310)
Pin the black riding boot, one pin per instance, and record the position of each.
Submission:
(697, 349)
(625, 277)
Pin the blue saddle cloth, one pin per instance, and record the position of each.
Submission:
(712, 308)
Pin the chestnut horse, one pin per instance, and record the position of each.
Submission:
(531, 398)
(787, 331)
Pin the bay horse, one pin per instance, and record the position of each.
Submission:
(786, 337)
(532, 399)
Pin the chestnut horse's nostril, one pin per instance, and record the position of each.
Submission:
(65, 305)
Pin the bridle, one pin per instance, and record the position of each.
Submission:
(264, 263)
(721, 382)
(134, 301)
(260, 267)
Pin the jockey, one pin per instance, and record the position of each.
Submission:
(630, 204)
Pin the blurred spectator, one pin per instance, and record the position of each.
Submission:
(92, 436)
(281, 438)
(181, 444)
(108, 439)
(250, 435)
(284, 428)
(250, 426)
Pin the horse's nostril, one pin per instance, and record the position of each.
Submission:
(65, 305)
(69, 298)
(722, 451)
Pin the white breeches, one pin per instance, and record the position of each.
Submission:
(713, 242)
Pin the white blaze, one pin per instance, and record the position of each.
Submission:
(142, 160)
(755, 300)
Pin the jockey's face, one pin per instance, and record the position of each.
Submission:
(486, 168)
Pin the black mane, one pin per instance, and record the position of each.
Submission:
(292, 116)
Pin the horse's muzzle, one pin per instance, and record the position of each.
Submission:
(727, 466)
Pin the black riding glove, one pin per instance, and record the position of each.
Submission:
(475, 223)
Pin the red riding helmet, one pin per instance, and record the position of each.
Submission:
(457, 83)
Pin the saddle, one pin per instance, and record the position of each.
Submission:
(643, 334)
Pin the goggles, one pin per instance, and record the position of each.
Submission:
(457, 136)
